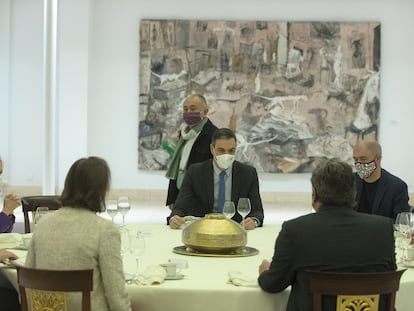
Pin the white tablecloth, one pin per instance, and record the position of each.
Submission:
(205, 285)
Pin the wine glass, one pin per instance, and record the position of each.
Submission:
(125, 240)
(40, 212)
(137, 247)
(123, 207)
(228, 209)
(243, 207)
(112, 209)
(406, 219)
(403, 226)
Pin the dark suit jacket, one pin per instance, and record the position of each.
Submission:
(199, 153)
(333, 239)
(196, 196)
(391, 196)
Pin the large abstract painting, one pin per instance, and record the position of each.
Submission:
(294, 92)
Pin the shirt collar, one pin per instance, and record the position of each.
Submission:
(217, 170)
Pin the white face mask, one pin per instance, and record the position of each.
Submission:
(224, 161)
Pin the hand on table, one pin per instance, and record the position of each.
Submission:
(176, 222)
(4, 255)
(248, 223)
(264, 266)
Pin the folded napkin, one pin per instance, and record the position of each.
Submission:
(153, 275)
(240, 279)
(10, 240)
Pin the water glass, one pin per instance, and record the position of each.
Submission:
(243, 207)
(137, 247)
(40, 212)
(112, 209)
(402, 232)
(229, 209)
(123, 207)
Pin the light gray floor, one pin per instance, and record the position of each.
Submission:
(156, 212)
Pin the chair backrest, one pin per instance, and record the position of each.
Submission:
(30, 203)
(53, 284)
(361, 289)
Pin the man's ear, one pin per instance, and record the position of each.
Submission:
(314, 195)
(315, 202)
(212, 149)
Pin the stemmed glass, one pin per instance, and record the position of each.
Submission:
(228, 209)
(125, 240)
(137, 247)
(243, 208)
(123, 207)
(40, 212)
(402, 230)
(112, 209)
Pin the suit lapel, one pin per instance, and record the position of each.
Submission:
(359, 184)
(235, 172)
(209, 178)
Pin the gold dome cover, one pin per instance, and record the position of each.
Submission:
(214, 234)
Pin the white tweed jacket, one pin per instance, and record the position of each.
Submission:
(76, 238)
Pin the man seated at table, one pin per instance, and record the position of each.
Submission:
(378, 191)
(335, 238)
(200, 192)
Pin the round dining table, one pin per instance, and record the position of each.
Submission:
(205, 284)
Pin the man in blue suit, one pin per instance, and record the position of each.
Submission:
(199, 193)
(378, 191)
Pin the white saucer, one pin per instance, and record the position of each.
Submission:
(408, 263)
(128, 276)
(178, 276)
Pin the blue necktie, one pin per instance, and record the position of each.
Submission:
(221, 193)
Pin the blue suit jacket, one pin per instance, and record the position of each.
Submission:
(391, 196)
(196, 196)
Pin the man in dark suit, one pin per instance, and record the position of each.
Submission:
(335, 238)
(199, 193)
(378, 191)
(192, 145)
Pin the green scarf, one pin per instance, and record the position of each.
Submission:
(173, 169)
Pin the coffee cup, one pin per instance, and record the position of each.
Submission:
(182, 263)
(171, 268)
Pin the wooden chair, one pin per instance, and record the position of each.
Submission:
(48, 287)
(30, 203)
(361, 291)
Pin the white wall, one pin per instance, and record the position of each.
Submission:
(98, 80)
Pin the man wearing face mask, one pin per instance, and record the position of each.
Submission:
(192, 145)
(199, 193)
(378, 191)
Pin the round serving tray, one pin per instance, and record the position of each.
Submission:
(243, 252)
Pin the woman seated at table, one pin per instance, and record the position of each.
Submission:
(74, 237)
